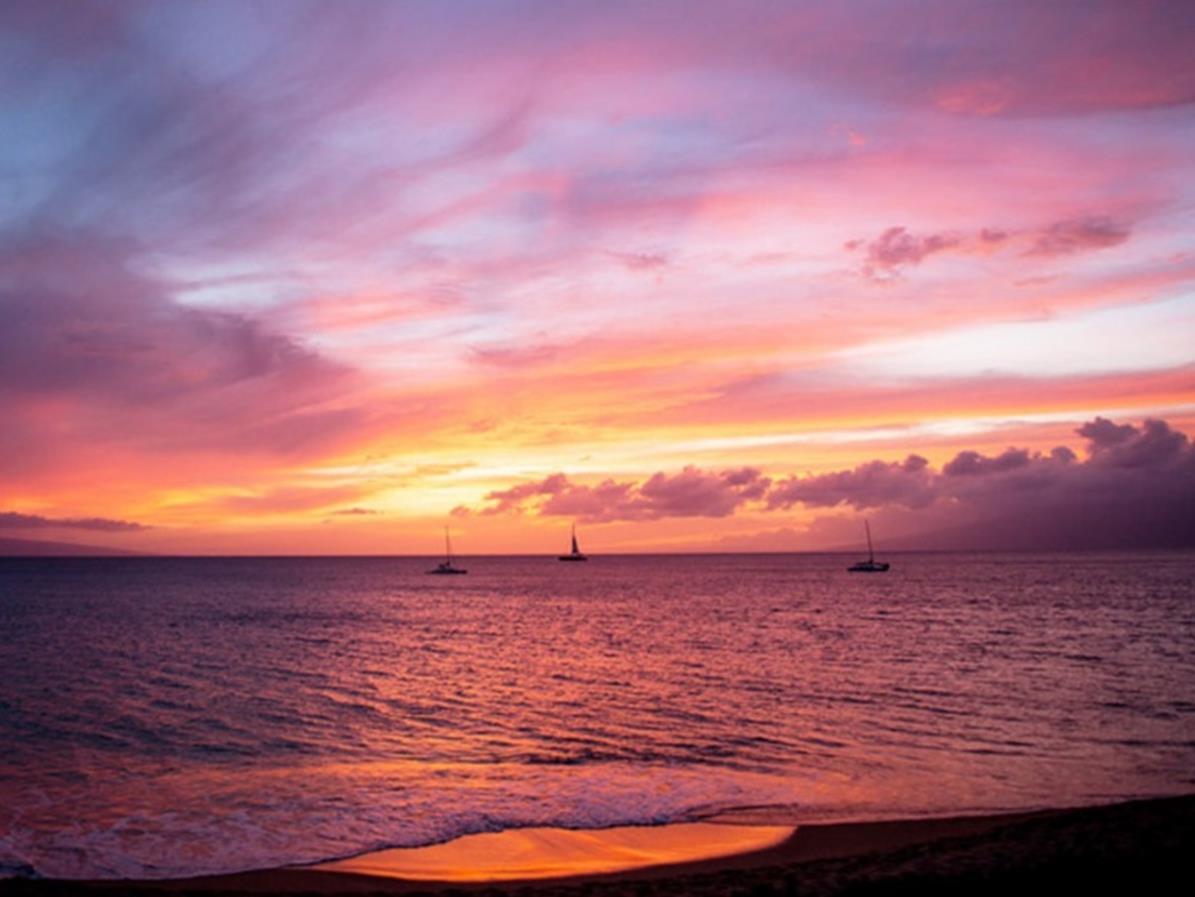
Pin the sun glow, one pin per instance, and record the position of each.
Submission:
(330, 318)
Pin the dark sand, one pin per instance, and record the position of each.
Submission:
(1142, 847)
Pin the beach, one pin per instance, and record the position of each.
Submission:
(1142, 846)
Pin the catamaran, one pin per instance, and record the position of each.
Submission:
(575, 554)
(446, 567)
(871, 565)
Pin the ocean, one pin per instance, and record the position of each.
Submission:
(165, 717)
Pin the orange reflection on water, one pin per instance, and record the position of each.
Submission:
(556, 853)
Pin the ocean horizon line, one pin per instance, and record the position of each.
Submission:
(121, 555)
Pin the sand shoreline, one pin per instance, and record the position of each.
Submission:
(520, 855)
(1138, 844)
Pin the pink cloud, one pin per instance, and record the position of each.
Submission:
(877, 483)
(896, 247)
(971, 463)
(690, 493)
(1079, 235)
(511, 500)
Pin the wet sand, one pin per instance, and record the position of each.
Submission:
(1142, 846)
(536, 853)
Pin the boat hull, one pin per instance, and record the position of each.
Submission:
(572, 557)
(868, 567)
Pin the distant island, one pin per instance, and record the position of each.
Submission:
(42, 549)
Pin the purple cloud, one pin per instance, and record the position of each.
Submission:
(909, 483)
(690, 493)
(1079, 235)
(974, 464)
(1136, 488)
(1155, 446)
(896, 248)
(695, 493)
(1103, 433)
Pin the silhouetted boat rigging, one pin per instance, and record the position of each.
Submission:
(871, 565)
(445, 567)
(575, 554)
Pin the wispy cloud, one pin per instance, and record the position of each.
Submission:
(896, 248)
(1079, 235)
(641, 261)
(81, 331)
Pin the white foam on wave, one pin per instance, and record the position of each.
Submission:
(306, 815)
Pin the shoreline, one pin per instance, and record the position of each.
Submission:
(1136, 844)
(546, 853)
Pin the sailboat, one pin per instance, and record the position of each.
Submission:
(575, 554)
(446, 567)
(871, 565)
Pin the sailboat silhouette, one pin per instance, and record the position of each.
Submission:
(871, 565)
(445, 567)
(575, 554)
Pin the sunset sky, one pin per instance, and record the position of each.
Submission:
(292, 278)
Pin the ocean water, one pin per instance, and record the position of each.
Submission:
(170, 717)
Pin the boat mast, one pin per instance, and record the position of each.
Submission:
(447, 547)
(576, 550)
(870, 553)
